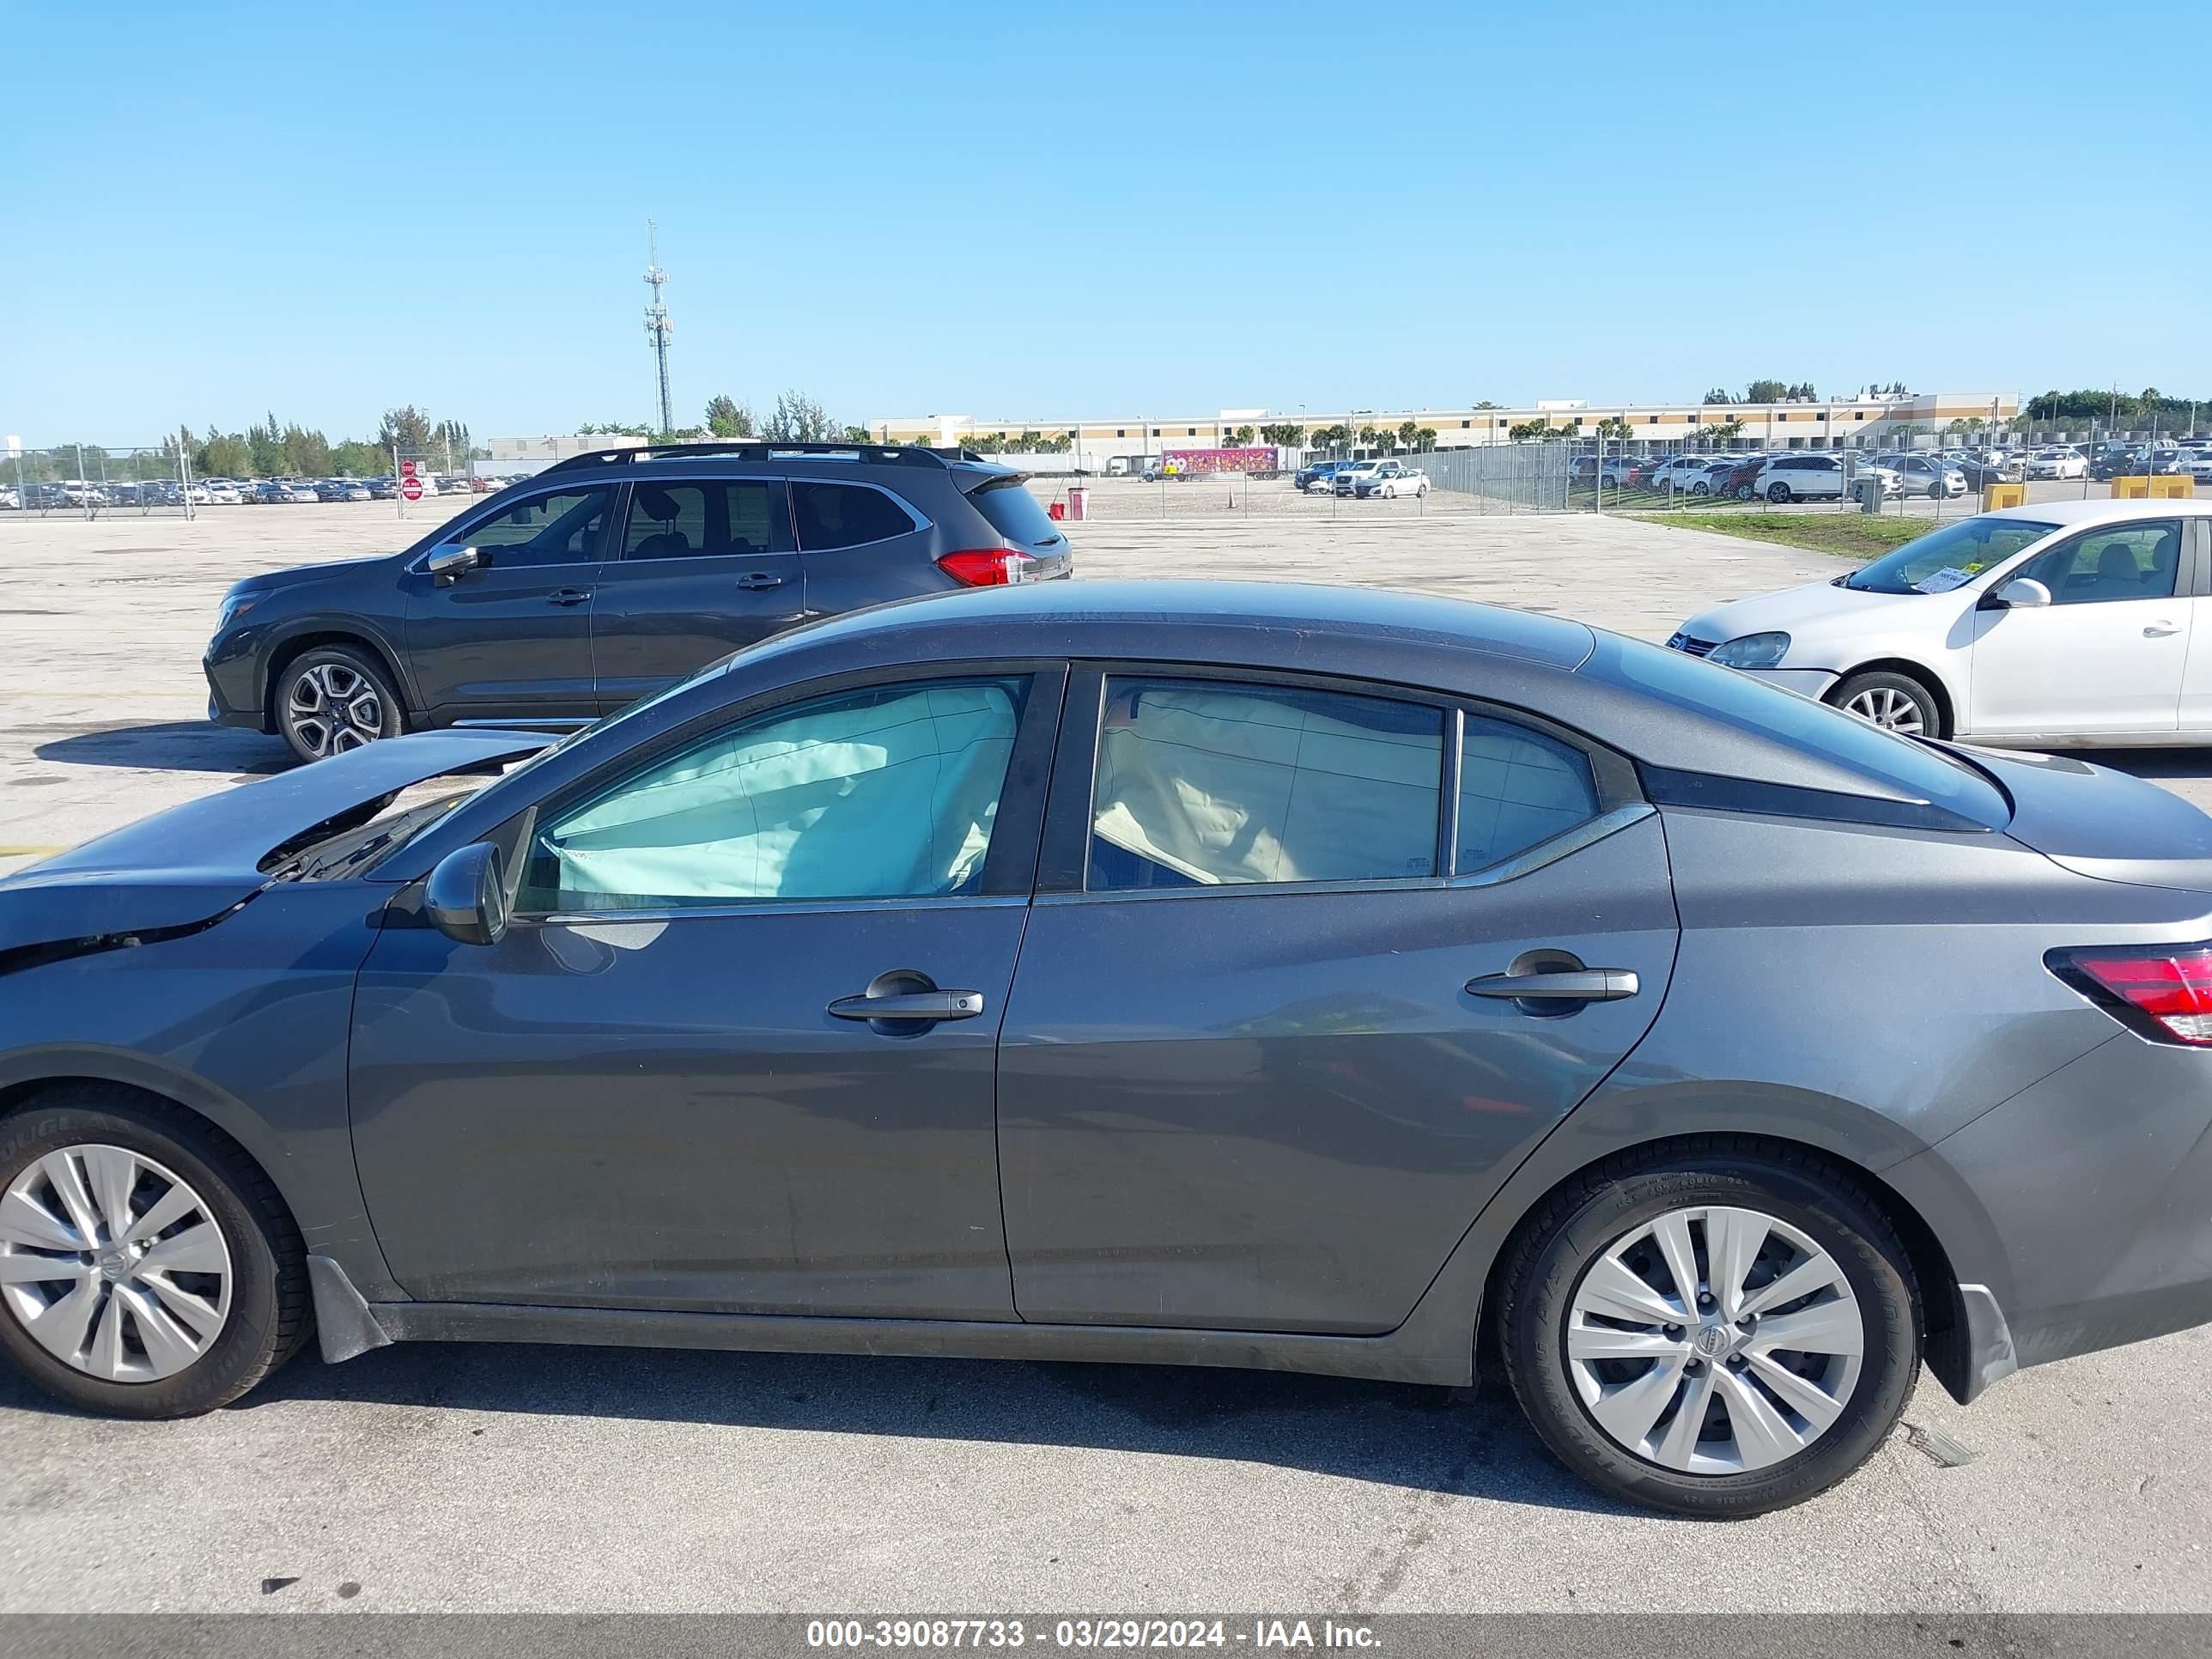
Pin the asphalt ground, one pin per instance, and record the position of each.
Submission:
(518, 1479)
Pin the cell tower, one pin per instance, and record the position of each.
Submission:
(657, 326)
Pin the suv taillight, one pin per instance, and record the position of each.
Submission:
(2164, 995)
(985, 566)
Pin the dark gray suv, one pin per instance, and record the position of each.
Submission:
(608, 577)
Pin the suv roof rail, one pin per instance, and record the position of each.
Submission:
(762, 449)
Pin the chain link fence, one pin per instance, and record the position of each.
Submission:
(107, 481)
(1477, 481)
(91, 480)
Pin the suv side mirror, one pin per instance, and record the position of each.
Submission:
(2020, 593)
(449, 564)
(465, 895)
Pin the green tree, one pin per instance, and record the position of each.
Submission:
(1717, 396)
(797, 418)
(305, 452)
(1766, 391)
(1244, 436)
(1424, 438)
(1613, 426)
(406, 429)
(357, 459)
(728, 418)
(1408, 431)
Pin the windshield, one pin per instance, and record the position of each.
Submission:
(1947, 558)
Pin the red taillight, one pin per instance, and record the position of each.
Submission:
(2164, 994)
(985, 566)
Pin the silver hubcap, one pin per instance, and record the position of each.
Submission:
(331, 708)
(1887, 707)
(1715, 1340)
(113, 1265)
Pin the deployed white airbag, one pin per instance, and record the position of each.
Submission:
(878, 795)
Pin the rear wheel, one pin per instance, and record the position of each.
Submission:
(147, 1268)
(1718, 1329)
(1745, 492)
(1896, 702)
(333, 698)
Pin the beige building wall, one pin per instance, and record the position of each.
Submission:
(1823, 425)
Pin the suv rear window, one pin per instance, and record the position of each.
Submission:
(1015, 514)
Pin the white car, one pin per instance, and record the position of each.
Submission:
(2062, 624)
(1813, 476)
(1381, 477)
(2196, 463)
(1676, 471)
(222, 492)
(2057, 463)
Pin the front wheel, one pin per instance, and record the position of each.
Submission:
(334, 698)
(1745, 492)
(1896, 702)
(147, 1267)
(1719, 1329)
(1389, 492)
(1778, 494)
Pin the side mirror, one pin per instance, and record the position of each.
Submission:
(2020, 593)
(465, 895)
(449, 564)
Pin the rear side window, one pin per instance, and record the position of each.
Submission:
(833, 516)
(1016, 514)
(708, 520)
(1516, 788)
(1203, 783)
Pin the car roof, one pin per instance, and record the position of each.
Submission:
(1032, 618)
(2073, 512)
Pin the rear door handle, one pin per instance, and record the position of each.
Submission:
(1557, 985)
(568, 596)
(754, 581)
(2159, 630)
(910, 1005)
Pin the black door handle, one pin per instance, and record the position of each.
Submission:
(568, 596)
(754, 581)
(910, 1005)
(1557, 985)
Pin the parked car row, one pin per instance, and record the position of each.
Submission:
(79, 493)
(1385, 479)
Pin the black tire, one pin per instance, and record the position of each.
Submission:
(1745, 492)
(334, 663)
(1557, 1243)
(1883, 680)
(271, 1312)
(1777, 493)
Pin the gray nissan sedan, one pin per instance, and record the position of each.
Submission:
(1228, 975)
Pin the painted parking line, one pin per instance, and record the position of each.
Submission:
(11, 850)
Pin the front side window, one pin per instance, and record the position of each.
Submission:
(1202, 783)
(1516, 788)
(889, 792)
(833, 516)
(716, 519)
(562, 528)
(2131, 562)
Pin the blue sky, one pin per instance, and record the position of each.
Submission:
(212, 212)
